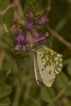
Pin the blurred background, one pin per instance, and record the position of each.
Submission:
(10, 89)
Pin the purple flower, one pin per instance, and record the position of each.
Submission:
(32, 21)
(30, 16)
(20, 34)
(40, 21)
(37, 37)
(41, 39)
(29, 26)
(22, 41)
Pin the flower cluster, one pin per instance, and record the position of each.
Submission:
(20, 34)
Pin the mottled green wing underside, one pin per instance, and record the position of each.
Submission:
(51, 60)
(47, 78)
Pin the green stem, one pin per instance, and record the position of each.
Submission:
(48, 7)
(60, 94)
(20, 79)
(5, 27)
(16, 98)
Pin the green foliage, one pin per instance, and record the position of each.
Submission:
(3, 4)
(68, 64)
(8, 17)
(6, 38)
(33, 5)
(47, 94)
(67, 93)
(68, 103)
(62, 80)
(1, 19)
(33, 102)
(5, 101)
(2, 79)
(5, 90)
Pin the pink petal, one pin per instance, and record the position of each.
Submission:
(17, 47)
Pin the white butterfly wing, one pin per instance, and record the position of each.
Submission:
(37, 74)
(50, 59)
(45, 75)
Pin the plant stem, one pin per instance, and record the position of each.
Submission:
(20, 79)
(5, 27)
(16, 98)
(48, 7)
(60, 94)
(60, 38)
(19, 9)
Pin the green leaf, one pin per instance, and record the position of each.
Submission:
(61, 80)
(69, 69)
(56, 103)
(33, 5)
(5, 102)
(67, 93)
(68, 103)
(25, 78)
(7, 38)
(3, 4)
(47, 94)
(33, 102)
(1, 19)
(2, 79)
(66, 62)
(8, 16)
(5, 90)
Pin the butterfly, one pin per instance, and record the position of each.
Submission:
(47, 63)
